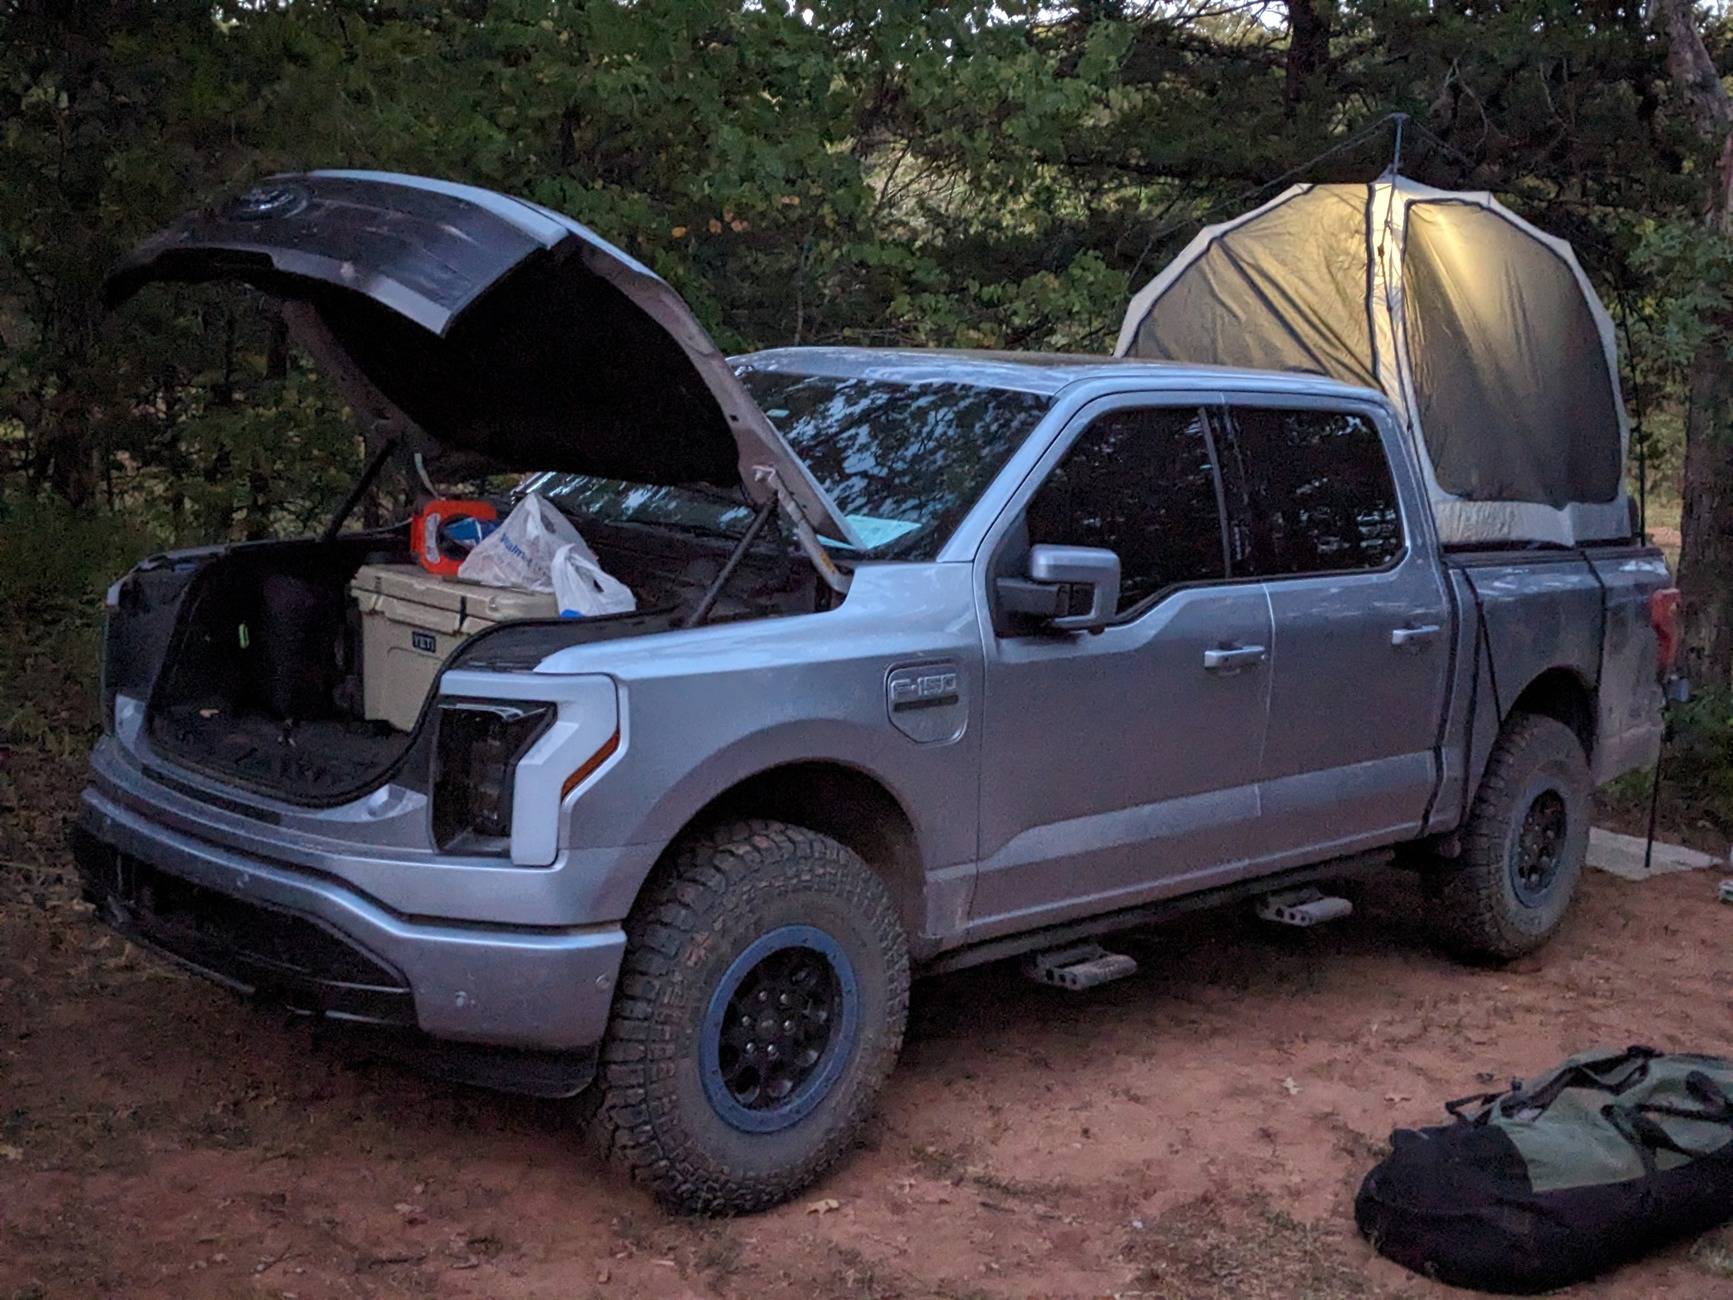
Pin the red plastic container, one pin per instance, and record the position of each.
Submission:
(435, 515)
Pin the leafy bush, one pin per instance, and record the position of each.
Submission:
(55, 563)
(1697, 772)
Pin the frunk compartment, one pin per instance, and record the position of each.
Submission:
(302, 668)
(261, 683)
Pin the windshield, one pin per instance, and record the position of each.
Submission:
(904, 461)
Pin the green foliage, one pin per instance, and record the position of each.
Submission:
(55, 563)
(984, 175)
(1697, 773)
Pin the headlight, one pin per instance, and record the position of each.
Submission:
(108, 689)
(475, 765)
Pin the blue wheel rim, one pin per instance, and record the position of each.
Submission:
(790, 995)
(1538, 848)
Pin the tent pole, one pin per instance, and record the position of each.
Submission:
(1642, 484)
(1401, 120)
(1638, 433)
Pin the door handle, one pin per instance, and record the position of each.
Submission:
(1230, 659)
(1415, 638)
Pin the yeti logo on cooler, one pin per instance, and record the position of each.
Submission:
(423, 641)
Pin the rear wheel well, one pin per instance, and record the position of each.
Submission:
(843, 803)
(1560, 694)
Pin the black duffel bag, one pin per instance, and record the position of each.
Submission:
(1594, 1163)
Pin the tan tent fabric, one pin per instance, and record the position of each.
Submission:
(1482, 330)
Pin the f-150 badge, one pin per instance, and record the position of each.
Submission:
(926, 701)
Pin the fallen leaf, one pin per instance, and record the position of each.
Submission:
(679, 232)
(10, 1152)
(1290, 1087)
(825, 1206)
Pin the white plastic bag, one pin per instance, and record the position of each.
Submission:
(583, 589)
(520, 552)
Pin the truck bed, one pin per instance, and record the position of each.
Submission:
(1564, 631)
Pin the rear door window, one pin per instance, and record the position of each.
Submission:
(1138, 482)
(1307, 491)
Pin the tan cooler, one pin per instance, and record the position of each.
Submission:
(411, 620)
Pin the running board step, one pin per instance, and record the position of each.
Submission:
(1078, 966)
(1303, 907)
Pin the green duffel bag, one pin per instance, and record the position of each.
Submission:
(1589, 1165)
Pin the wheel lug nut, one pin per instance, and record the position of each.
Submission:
(788, 1026)
(771, 1051)
(752, 1049)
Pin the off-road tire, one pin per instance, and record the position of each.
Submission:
(723, 891)
(1482, 917)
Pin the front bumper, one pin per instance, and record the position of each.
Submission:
(315, 944)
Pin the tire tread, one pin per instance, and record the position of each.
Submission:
(714, 875)
(1473, 919)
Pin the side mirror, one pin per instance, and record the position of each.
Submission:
(1069, 588)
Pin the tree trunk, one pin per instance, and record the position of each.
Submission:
(1706, 552)
(257, 524)
(1706, 530)
(1309, 24)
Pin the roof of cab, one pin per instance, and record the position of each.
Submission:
(1045, 373)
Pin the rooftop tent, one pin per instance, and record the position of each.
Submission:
(1482, 330)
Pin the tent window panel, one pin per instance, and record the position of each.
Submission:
(1138, 483)
(1284, 291)
(1308, 491)
(1510, 373)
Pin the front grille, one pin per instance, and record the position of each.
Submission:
(255, 947)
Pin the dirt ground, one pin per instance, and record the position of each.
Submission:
(1197, 1130)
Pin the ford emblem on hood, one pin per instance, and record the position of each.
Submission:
(265, 201)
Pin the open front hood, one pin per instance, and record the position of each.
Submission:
(490, 327)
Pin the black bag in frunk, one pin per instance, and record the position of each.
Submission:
(297, 633)
(1589, 1165)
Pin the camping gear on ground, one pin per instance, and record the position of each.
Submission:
(445, 526)
(583, 590)
(411, 621)
(1482, 330)
(1587, 1166)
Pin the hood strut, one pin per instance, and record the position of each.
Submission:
(368, 474)
(834, 577)
(702, 610)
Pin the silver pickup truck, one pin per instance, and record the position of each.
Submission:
(939, 658)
